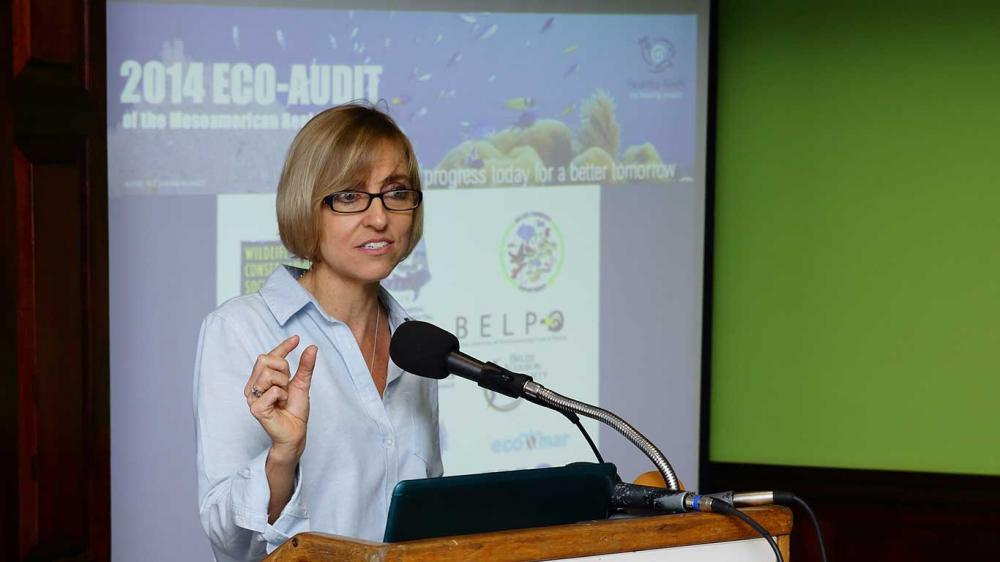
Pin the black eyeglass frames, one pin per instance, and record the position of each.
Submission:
(359, 201)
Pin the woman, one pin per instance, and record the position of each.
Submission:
(303, 423)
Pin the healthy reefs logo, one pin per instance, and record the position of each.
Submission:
(658, 53)
(532, 251)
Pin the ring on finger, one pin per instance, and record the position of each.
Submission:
(256, 393)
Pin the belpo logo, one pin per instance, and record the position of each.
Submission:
(658, 53)
(531, 252)
(554, 322)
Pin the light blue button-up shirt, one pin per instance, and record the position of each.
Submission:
(358, 445)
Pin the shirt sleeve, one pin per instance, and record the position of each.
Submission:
(232, 450)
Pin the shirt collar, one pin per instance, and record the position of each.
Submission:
(283, 294)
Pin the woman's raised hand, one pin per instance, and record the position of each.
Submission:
(279, 401)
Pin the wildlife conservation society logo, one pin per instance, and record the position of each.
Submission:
(532, 251)
(658, 53)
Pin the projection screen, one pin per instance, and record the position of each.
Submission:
(562, 154)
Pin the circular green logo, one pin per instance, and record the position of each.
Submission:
(532, 251)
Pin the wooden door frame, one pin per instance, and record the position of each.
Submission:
(54, 326)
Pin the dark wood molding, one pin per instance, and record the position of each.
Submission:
(55, 278)
(10, 410)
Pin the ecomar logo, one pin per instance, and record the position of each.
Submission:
(532, 251)
(529, 441)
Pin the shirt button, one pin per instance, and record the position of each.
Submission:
(388, 442)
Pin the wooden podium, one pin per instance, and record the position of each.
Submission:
(699, 537)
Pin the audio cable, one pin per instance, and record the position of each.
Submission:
(632, 496)
(713, 503)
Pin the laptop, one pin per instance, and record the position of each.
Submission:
(498, 501)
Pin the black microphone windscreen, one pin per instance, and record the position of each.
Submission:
(422, 349)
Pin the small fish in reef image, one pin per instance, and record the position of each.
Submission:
(489, 32)
(418, 113)
(520, 104)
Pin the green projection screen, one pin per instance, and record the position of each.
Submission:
(856, 301)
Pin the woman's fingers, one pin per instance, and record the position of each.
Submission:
(264, 381)
(268, 387)
(263, 407)
(274, 359)
(307, 363)
(286, 346)
(264, 364)
(272, 362)
(298, 388)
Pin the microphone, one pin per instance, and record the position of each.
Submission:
(426, 350)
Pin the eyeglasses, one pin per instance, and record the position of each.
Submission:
(359, 201)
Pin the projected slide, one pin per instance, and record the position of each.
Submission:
(522, 123)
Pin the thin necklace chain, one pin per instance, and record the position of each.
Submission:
(378, 315)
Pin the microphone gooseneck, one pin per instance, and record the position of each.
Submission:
(539, 392)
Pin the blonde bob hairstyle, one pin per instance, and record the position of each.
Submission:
(334, 151)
